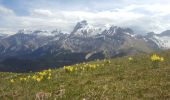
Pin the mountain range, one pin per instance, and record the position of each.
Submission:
(29, 50)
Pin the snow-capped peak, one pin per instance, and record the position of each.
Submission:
(84, 29)
(79, 25)
(106, 27)
(82, 23)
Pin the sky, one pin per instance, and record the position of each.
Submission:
(141, 15)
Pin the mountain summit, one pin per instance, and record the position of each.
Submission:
(83, 29)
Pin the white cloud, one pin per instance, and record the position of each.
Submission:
(41, 12)
(5, 11)
(140, 17)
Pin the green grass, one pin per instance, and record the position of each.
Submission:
(119, 80)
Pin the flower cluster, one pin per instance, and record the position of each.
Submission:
(81, 67)
(156, 58)
(39, 76)
(69, 68)
(46, 74)
(84, 66)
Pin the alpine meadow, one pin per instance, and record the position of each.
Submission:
(84, 50)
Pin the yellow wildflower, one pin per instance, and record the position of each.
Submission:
(38, 79)
(12, 81)
(24, 79)
(49, 70)
(42, 73)
(20, 79)
(49, 74)
(71, 69)
(68, 68)
(155, 57)
(94, 66)
(49, 78)
(161, 59)
(130, 58)
(34, 77)
(97, 65)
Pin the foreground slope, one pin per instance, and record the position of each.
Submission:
(126, 78)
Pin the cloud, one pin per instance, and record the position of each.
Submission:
(141, 17)
(41, 12)
(5, 11)
(65, 20)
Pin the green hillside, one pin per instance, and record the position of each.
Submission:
(128, 78)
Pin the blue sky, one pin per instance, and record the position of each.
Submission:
(141, 15)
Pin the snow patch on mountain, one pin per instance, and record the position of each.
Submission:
(129, 34)
(162, 41)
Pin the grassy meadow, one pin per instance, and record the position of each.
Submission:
(139, 77)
